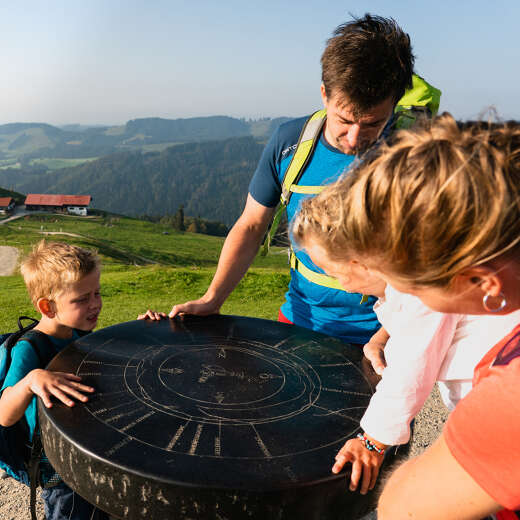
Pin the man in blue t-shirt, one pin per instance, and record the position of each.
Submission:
(366, 67)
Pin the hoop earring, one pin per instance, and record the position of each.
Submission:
(503, 303)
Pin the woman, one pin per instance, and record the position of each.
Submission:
(437, 215)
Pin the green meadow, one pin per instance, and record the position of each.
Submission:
(145, 265)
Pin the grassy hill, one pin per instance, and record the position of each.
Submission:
(142, 267)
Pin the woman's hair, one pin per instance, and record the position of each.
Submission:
(52, 266)
(437, 200)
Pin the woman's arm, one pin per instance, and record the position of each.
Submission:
(434, 486)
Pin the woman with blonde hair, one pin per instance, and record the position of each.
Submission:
(437, 215)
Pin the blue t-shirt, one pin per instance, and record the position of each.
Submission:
(331, 311)
(23, 360)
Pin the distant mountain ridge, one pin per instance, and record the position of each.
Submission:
(26, 141)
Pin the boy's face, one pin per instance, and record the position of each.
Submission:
(351, 274)
(78, 306)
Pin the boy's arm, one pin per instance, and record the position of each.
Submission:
(15, 399)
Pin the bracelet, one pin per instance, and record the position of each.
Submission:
(369, 445)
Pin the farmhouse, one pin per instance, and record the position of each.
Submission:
(6, 205)
(74, 204)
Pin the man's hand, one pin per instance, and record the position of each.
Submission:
(45, 384)
(375, 353)
(365, 464)
(201, 307)
(152, 315)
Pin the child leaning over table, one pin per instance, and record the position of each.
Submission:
(414, 348)
(63, 283)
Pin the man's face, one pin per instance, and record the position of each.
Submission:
(348, 130)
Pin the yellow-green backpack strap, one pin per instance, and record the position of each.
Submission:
(422, 98)
(306, 144)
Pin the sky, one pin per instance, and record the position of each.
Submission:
(109, 61)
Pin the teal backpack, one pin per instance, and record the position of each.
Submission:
(19, 456)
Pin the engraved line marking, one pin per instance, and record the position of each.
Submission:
(175, 438)
(345, 364)
(137, 421)
(292, 349)
(112, 353)
(118, 446)
(174, 371)
(118, 416)
(218, 445)
(280, 343)
(92, 362)
(103, 410)
(261, 443)
(104, 394)
(334, 412)
(219, 397)
(344, 391)
(97, 374)
(195, 440)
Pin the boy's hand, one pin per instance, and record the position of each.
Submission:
(152, 315)
(365, 463)
(45, 383)
(375, 353)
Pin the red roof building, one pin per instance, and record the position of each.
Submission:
(6, 204)
(34, 199)
(63, 203)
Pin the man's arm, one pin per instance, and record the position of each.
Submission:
(238, 253)
(434, 486)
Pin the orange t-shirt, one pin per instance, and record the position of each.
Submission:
(483, 432)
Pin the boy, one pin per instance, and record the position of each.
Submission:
(63, 284)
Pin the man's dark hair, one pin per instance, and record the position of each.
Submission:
(368, 60)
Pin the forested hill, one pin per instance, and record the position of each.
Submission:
(210, 179)
(28, 141)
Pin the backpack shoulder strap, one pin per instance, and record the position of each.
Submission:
(41, 344)
(304, 149)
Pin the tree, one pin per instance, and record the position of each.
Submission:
(178, 222)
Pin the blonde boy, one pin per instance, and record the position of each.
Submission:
(63, 284)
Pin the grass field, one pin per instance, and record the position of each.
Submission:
(58, 163)
(143, 267)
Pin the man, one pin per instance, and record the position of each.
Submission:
(366, 68)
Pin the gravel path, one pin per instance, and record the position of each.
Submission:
(8, 260)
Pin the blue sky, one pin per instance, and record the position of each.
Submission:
(108, 61)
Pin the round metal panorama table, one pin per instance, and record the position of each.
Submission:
(218, 417)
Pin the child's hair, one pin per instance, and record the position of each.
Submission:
(52, 266)
(437, 200)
